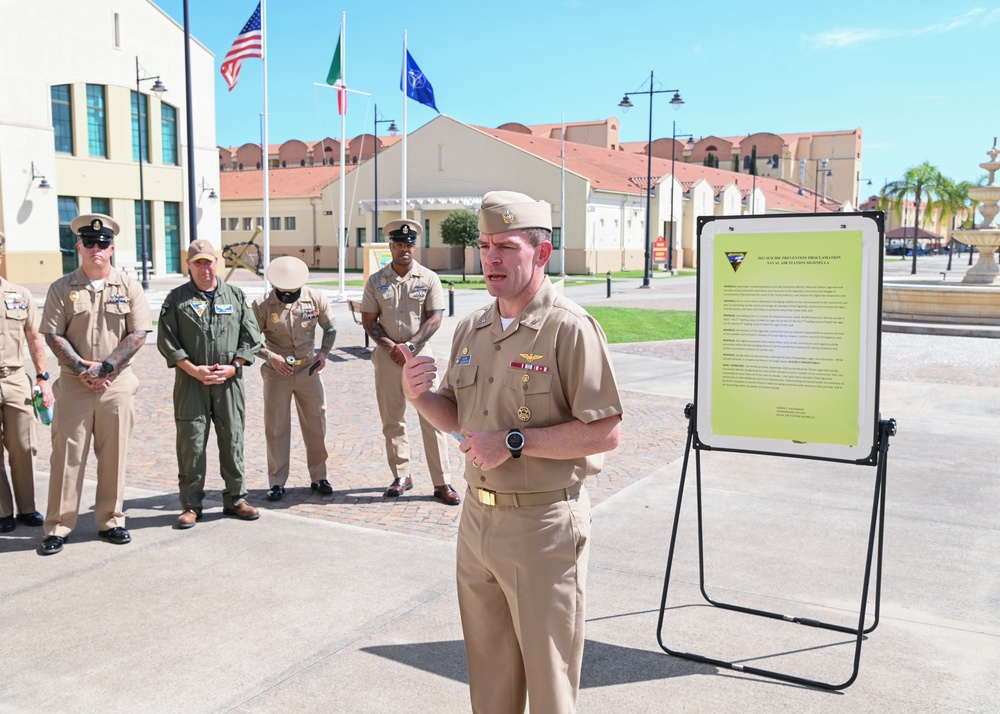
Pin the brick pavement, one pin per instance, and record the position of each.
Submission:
(653, 434)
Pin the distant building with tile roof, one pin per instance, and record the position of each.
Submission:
(451, 165)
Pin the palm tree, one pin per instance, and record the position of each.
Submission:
(954, 202)
(923, 182)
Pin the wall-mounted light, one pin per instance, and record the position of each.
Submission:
(206, 187)
(43, 183)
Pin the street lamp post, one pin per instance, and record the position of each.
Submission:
(821, 165)
(673, 179)
(626, 104)
(158, 89)
(392, 130)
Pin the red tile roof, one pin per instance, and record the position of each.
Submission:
(284, 183)
(613, 170)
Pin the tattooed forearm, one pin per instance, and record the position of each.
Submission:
(65, 353)
(127, 348)
(430, 326)
(329, 337)
(36, 348)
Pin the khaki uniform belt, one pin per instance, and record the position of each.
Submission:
(518, 500)
(7, 371)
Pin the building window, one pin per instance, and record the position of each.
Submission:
(168, 127)
(140, 112)
(224, 224)
(427, 233)
(260, 221)
(557, 238)
(275, 223)
(100, 205)
(97, 127)
(234, 224)
(290, 223)
(172, 235)
(139, 233)
(67, 239)
(62, 119)
(248, 224)
(361, 237)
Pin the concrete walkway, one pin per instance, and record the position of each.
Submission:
(347, 603)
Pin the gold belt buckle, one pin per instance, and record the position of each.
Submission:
(487, 497)
(5, 372)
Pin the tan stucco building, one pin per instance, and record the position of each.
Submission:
(72, 68)
(599, 217)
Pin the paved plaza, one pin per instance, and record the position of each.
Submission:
(346, 603)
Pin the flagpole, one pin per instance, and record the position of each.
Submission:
(342, 248)
(265, 164)
(405, 79)
(562, 199)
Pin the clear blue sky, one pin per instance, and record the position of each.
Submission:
(915, 76)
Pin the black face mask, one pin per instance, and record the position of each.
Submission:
(288, 298)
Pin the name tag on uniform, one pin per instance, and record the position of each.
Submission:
(223, 309)
(463, 360)
(383, 288)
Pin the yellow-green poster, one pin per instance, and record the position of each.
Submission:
(786, 333)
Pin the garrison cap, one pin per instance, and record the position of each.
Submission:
(287, 273)
(403, 230)
(201, 249)
(510, 211)
(95, 225)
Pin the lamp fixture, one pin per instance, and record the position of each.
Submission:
(206, 187)
(43, 183)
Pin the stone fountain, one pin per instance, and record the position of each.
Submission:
(986, 235)
(969, 308)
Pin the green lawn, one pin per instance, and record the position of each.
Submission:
(625, 324)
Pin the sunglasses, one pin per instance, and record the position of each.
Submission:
(100, 243)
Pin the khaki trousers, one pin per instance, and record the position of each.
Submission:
(79, 416)
(20, 440)
(392, 408)
(522, 575)
(310, 403)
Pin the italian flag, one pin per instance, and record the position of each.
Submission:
(335, 78)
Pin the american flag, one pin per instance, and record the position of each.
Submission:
(249, 43)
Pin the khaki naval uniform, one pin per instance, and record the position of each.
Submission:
(402, 304)
(521, 570)
(290, 331)
(94, 322)
(206, 332)
(18, 422)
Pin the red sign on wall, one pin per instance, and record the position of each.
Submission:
(660, 250)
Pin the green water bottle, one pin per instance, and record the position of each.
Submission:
(44, 413)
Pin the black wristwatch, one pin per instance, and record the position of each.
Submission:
(515, 442)
(239, 370)
(44, 376)
(106, 368)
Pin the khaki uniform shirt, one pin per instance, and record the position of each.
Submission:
(95, 321)
(551, 366)
(403, 302)
(290, 330)
(20, 313)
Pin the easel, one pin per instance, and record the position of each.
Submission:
(240, 259)
(887, 428)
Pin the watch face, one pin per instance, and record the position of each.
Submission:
(515, 441)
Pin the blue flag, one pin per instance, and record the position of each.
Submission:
(417, 86)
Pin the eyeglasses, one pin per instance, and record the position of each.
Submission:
(100, 243)
(401, 244)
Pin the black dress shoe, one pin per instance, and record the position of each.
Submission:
(276, 493)
(323, 486)
(31, 519)
(52, 544)
(397, 487)
(118, 535)
(7, 524)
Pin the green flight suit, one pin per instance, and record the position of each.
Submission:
(207, 332)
